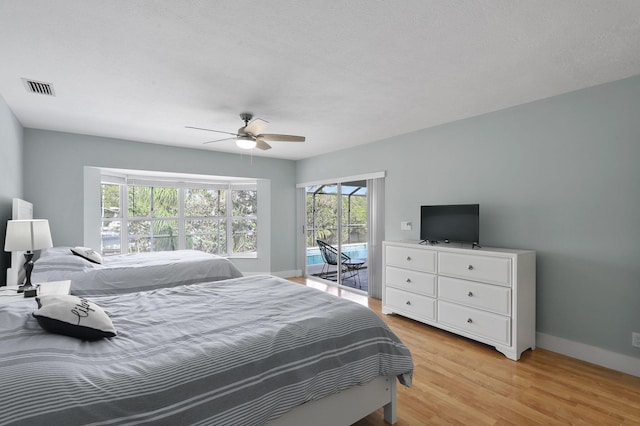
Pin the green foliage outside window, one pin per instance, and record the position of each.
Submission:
(322, 219)
(206, 235)
(153, 219)
(110, 207)
(110, 201)
(245, 223)
(203, 202)
(147, 202)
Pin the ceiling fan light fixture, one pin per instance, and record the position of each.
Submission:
(246, 142)
(252, 135)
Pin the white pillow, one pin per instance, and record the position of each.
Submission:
(88, 254)
(55, 251)
(73, 316)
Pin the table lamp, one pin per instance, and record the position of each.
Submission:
(27, 235)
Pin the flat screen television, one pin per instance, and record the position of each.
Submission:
(447, 223)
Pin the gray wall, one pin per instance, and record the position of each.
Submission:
(11, 135)
(56, 164)
(560, 176)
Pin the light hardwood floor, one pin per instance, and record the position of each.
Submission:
(459, 381)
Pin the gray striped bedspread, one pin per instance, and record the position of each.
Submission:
(233, 352)
(131, 272)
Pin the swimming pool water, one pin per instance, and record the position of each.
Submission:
(356, 251)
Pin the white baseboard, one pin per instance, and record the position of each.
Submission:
(615, 361)
(287, 274)
(281, 274)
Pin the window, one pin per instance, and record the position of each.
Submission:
(141, 215)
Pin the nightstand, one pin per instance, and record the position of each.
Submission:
(9, 295)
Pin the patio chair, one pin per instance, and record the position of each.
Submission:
(350, 267)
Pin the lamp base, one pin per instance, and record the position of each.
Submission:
(28, 290)
(31, 292)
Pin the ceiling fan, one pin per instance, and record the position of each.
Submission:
(250, 135)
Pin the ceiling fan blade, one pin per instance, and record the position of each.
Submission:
(256, 126)
(260, 144)
(211, 130)
(220, 140)
(282, 138)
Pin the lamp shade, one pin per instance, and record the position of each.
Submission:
(246, 142)
(27, 235)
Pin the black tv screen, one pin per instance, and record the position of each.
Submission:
(445, 223)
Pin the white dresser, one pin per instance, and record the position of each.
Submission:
(485, 294)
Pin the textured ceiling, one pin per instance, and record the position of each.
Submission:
(340, 73)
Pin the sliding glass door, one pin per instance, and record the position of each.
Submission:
(336, 233)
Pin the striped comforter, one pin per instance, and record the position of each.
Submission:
(233, 352)
(127, 273)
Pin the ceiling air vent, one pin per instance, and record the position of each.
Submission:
(39, 87)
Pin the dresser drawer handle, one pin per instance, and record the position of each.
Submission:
(470, 294)
(408, 302)
(469, 320)
(408, 280)
(470, 267)
(408, 258)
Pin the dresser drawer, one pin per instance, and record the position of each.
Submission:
(411, 304)
(484, 324)
(484, 296)
(496, 270)
(414, 281)
(416, 259)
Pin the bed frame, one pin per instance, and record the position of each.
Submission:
(346, 407)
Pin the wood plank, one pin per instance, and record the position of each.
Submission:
(460, 381)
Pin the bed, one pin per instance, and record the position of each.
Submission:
(247, 351)
(125, 273)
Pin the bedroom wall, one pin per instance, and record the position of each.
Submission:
(560, 176)
(11, 181)
(56, 171)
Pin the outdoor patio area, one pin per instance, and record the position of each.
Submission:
(337, 232)
(359, 281)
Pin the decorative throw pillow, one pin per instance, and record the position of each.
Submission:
(88, 254)
(73, 316)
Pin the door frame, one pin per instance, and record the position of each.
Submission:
(375, 230)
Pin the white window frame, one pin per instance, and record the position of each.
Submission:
(181, 183)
